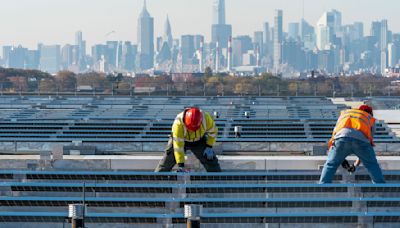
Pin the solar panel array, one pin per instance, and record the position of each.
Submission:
(144, 119)
(244, 198)
(384, 103)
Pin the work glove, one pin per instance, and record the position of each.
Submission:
(209, 153)
(352, 169)
(181, 168)
(346, 165)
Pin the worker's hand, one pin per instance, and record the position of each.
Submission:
(181, 168)
(209, 153)
(352, 169)
(346, 165)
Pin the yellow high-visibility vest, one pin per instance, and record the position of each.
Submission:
(180, 134)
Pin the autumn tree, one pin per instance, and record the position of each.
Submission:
(66, 81)
(96, 80)
(47, 85)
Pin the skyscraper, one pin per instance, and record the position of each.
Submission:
(337, 20)
(259, 42)
(50, 58)
(220, 30)
(267, 40)
(325, 31)
(293, 30)
(307, 34)
(219, 12)
(392, 55)
(384, 41)
(80, 43)
(81, 49)
(128, 53)
(278, 38)
(16, 57)
(168, 33)
(166, 45)
(69, 56)
(145, 39)
(187, 49)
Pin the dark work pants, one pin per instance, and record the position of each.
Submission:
(168, 161)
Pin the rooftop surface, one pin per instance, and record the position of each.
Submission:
(54, 147)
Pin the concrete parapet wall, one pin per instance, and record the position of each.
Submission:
(158, 147)
(148, 163)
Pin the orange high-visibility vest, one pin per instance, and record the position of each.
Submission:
(355, 119)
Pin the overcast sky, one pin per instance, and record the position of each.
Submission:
(28, 22)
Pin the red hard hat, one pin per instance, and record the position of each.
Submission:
(193, 118)
(366, 108)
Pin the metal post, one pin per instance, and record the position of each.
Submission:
(278, 90)
(76, 213)
(238, 131)
(370, 90)
(167, 90)
(315, 90)
(130, 88)
(84, 203)
(192, 215)
(352, 90)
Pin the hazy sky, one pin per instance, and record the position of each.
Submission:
(27, 22)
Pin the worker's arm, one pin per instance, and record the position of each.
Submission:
(211, 131)
(178, 139)
(373, 130)
(357, 162)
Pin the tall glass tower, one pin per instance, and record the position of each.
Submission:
(221, 32)
(278, 38)
(145, 39)
(219, 12)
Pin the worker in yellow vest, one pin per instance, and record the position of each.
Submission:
(353, 134)
(193, 130)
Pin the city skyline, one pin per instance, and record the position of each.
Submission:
(97, 20)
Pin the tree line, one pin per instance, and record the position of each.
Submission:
(33, 81)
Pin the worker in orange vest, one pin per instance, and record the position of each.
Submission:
(353, 134)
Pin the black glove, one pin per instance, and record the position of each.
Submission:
(352, 169)
(346, 165)
(181, 168)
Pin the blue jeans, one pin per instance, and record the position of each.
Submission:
(344, 147)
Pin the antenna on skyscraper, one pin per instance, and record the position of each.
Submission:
(303, 10)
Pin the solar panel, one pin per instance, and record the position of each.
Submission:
(131, 119)
(215, 218)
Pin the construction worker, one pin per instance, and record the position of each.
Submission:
(353, 134)
(193, 130)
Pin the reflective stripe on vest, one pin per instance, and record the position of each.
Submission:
(355, 119)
